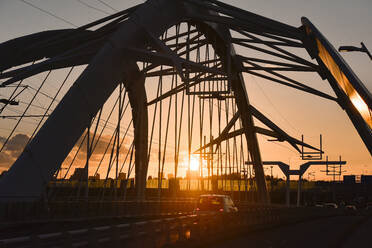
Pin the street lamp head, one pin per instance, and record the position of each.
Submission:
(349, 49)
(362, 49)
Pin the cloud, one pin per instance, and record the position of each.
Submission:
(17, 143)
(101, 146)
(5, 160)
(12, 150)
(100, 149)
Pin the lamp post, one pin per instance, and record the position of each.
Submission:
(362, 49)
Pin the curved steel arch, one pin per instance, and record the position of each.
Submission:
(89, 86)
(116, 61)
(113, 64)
(353, 96)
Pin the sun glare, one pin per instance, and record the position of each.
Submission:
(194, 164)
(362, 107)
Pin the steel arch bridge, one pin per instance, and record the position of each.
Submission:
(174, 73)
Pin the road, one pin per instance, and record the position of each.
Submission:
(340, 232)
(22, 229)
(331, 232)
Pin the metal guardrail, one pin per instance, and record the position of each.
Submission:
(31, 211)
(62, 210)
(180, 231)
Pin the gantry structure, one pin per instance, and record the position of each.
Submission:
(167, 76)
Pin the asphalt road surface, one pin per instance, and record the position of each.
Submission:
(340, 232)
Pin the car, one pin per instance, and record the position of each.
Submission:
(351, 207)
(212, 203)
(369, 206)
(330, 205)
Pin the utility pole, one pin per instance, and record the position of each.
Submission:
(211, 162)
(271, 179)
(334, 170)
(209, 157)
(87, 164)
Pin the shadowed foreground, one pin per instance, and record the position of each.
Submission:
(340, 231)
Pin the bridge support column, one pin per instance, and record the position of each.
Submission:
(288, 190)
(138, 100)
(299, 190)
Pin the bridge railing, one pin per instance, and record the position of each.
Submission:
(29, 211)
(182, 231)
(57, 210)
(60, 210)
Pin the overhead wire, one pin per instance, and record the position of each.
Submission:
(107, 5)
(50, 105)
(273, 105)
(49, 13)
(24, 112)
(92, 7)
(12, 96)
(22, 102)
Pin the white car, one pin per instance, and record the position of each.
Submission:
(208, 204)
(330, 205)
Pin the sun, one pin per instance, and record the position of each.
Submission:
(194, 164)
